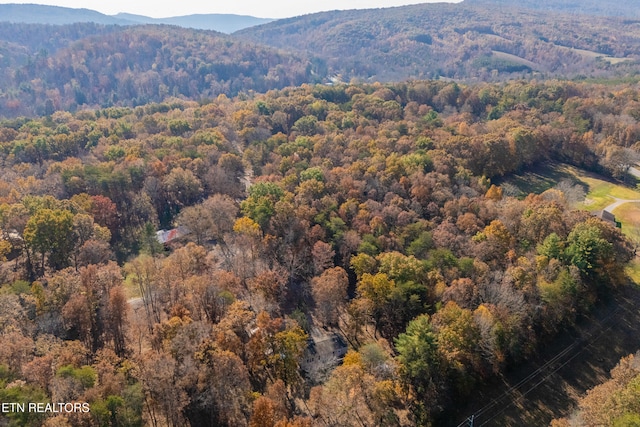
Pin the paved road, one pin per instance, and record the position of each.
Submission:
(635, 172)
(619, 202)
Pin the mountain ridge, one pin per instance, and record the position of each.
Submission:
(580, 7)
(223, 22)
(457, 41)
(57, 15)
(54, 15)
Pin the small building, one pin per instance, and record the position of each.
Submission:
(607, 216)
(325, 351)
(165, 236)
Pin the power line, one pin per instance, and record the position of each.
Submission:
(516, 399)
(510, 390)
(508, 398)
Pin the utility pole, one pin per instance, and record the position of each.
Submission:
(468, 422)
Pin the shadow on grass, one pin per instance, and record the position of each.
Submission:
(544, 176)
(540, 178)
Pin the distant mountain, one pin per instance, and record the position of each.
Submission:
(461, 41)
(629, 9)
(40, 14)
(224, 23)
(54, 15)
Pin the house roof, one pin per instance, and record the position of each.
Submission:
(326, 345)
(605, 216)
(165, 236)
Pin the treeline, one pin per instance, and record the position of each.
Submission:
(364, 211)
(589, 7)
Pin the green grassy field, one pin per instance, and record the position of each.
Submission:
(629, 215)
(600, 193)
(633, 271)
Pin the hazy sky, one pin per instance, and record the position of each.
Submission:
(260, 8)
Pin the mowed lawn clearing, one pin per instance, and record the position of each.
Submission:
(600, 192)
(538, 179)
(633, 270)
(629, 215)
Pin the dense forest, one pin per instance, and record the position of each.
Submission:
(345, 257)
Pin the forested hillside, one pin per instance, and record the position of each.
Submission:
(46, 68)
(21, 43)
(361, 214)
(460, 41)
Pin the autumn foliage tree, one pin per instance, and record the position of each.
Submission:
(372, 219)
(330, 294)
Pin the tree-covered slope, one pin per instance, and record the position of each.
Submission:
(455, 40)
(102, 66)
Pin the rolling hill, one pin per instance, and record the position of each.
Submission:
(462, 41)
(104, 66)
